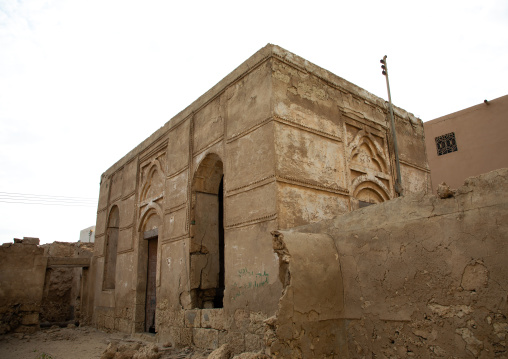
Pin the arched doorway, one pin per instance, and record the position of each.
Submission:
(147, 267)
(207, 275)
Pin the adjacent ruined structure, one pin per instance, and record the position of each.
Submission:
(42, 285)
(183, 245)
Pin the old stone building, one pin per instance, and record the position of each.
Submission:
(183, 245)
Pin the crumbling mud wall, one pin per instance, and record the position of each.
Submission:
(422, 276)
(22, 270)
(310, 320)
(41, 284)
(61, 300)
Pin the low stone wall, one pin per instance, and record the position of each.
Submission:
(422, 276)
(211, 328)
(22, 271)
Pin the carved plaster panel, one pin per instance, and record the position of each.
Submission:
(369, 163)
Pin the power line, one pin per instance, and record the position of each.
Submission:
(31, 199)
(45, 196)
(53, 204)
(25, 198)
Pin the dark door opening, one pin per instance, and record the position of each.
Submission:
(207, 253)
(219, 294)
(151, 288)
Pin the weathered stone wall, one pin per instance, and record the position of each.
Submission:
(418, 276)
(22, 271)
(243, 330)
(334, 144)
(278, 143)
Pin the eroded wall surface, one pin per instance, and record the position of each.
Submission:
(421, 276)
(310, 319)
(278, 143)
(61, 300)
(43, 284)
(22, 272)
(333, 144)
(168, 189)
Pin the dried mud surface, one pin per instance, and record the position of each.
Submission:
(81, 343)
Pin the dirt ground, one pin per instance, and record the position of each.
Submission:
(81, 343)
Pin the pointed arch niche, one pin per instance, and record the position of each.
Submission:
(152, 182)
(367, 154)
(207, 274)
(111, 248)
(370, 178)
(369, 190)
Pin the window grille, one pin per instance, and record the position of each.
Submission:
(446, 144)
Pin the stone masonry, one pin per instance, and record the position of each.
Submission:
(183, 245)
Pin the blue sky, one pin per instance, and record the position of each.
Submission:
(83, 82)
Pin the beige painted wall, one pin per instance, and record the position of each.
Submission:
(481, 133)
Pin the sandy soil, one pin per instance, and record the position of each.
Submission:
(77, 343)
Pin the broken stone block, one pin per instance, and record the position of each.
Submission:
(30, 319)
(147, 352)
(236, 341)
(444, 191)
(206, 338)
(212, 318)
(223, 352)
(185, 337)
(31, 240)
(110, 351)
(251, 355)
(253, 342)
(193, 318)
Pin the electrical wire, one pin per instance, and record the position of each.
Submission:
(25, 198)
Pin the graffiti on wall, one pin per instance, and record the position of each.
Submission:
(248, 280)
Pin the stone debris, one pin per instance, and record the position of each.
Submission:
(48, 293)
(223, 352)
(251, 356)
(131, 350)
(444, 191)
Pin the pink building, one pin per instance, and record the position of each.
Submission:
(468, 142)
